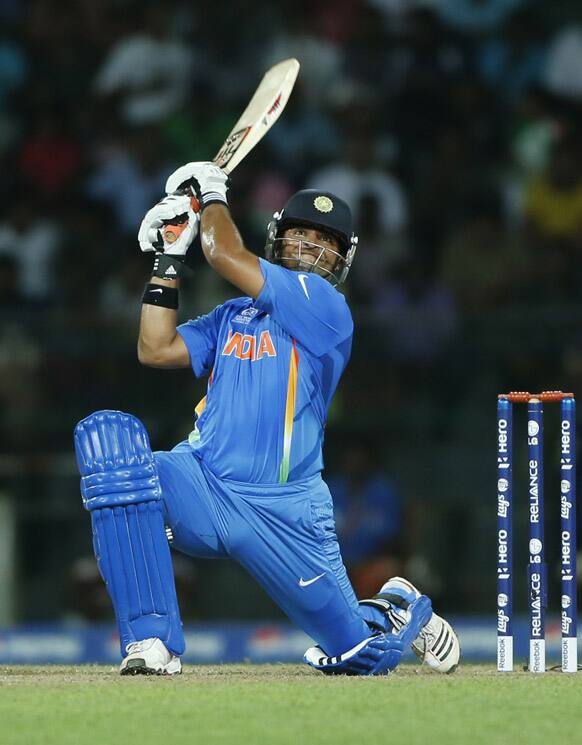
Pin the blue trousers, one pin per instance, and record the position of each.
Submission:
(283, 534)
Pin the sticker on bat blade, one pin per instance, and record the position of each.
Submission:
(274, 110)
(232, 144)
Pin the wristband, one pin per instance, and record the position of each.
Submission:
(167, 266)
(164, 297)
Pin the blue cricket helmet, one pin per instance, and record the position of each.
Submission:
(316, 209)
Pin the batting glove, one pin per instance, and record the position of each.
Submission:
(205, 180)
(170, 226)
(169, 229)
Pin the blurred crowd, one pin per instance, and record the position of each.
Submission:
(451, 126)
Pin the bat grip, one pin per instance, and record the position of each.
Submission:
(173, 230)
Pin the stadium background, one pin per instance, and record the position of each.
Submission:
(452, 126)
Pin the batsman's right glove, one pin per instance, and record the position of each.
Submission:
(169, 229)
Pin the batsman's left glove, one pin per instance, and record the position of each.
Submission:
(202, 179)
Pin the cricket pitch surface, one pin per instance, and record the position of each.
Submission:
(286, 705)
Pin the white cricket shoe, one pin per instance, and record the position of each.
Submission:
(150, 657)
(437, 644)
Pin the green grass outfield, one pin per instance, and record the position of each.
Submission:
(272, 704)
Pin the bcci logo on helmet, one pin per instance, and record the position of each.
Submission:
(323, 204)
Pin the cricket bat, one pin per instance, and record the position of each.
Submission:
(264, 108)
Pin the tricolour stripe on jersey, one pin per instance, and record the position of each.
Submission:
(200, 406)
(194, 436)
(289, 413)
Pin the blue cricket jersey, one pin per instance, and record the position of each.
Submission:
(273, 364)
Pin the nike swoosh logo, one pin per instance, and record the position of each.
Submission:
(160, 290)
(302, 278)
(307, 582)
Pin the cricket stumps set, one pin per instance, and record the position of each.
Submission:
(537, 568)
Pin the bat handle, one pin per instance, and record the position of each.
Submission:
(172, 231)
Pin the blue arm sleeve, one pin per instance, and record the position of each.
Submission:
(306, 306)
(200, 337)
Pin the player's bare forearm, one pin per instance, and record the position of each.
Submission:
(159, 344)
(226, 253)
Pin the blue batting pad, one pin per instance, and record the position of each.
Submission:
(121, 490)
(378, 654)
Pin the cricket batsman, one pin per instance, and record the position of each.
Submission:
(247, 482)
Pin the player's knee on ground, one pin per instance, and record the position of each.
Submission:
(121, 490)
(380, 653)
